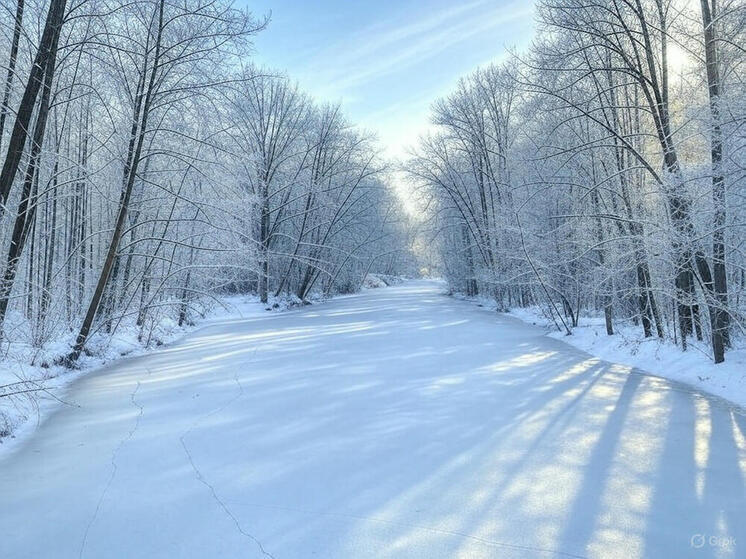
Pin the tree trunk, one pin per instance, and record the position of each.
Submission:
(46, 296)
(137, 137)
(264, 234)
(27, 206)
(11, 67)
(19, 134)
(720, 320)
(471, 281)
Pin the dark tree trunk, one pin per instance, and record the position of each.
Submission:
(134, 156)
(17, 143)
(11, 67)
(471, 281)
(27, 206)
(720, 319)
(46, 296)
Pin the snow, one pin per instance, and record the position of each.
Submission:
(394, 423)
(376, 281)
(25, 367)
(657, 357)
(372, 281)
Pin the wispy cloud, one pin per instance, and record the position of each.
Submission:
(390, 47)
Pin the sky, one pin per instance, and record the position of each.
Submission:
(387, 61)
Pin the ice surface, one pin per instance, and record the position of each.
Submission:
(398, 423)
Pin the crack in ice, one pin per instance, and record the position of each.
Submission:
(200, 476)
(113, 467)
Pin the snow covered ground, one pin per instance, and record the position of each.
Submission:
(657, 357)
(41, 384)
(394, 423)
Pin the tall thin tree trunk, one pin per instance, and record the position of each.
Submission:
(11, 67)
(137, 138)
(264, 234)
(720, 319)
(46, 296)
(27, 206)
(16, 145)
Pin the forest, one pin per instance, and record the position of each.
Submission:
(601, 172)
(292, 279)
(149, 168)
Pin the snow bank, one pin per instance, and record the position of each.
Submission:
(376, 281)
(372, 281)
(31, 385)
(661, 358)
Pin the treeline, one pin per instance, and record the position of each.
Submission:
(602, 172)
(147, 166)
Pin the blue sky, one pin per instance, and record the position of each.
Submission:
(387, 61)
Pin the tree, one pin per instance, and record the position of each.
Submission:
(44, 57)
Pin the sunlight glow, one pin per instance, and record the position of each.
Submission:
(678, 59)
(575, 370)
(740, 441)
(702, 432)
(522, 361)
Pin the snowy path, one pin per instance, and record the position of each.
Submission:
(394, 424)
